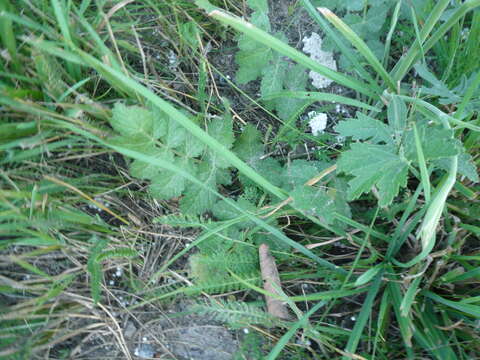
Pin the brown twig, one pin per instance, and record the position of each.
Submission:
(270, 276)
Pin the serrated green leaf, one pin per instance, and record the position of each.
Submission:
(182, 220)
(143, 170)
(192, 146)
(273, 76)
(298, 172)
(136, 142)
(374, 165)
(253, 56)
(437, 142)
(167, 184)
(365, 128)
(295, 80)
(223, 211)
(249, 146)
(131, 120)
(196, 200)
(339, 194)
(314, 201)
(269, 168)
(221, 130)
(160, 121)
(466, 166)
(175, 135)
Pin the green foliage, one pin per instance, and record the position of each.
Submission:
(385, 169)
(277, 74)
(383, 159)
(94, 266)
(236, 314)
(220, 255)
(153, 133)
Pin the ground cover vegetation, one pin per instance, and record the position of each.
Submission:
(148, 148)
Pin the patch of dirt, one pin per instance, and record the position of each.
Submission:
(181, 334)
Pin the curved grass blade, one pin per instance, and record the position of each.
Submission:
(360, 45)
(320, 96)
(423, 165)
(473, 310)
(405, 323)
(393, 25)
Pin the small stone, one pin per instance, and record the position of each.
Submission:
(145, 351)
(130, 330)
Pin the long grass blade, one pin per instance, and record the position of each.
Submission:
(360, 45)
(365, 312)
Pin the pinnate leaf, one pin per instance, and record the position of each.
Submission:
(295, 80)
(197, 199)
(466, 166)
(144, 170)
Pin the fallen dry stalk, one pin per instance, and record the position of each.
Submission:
(270, 276)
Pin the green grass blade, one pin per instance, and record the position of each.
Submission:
(468, 95)
(360, 45)
(362, 319)
(409, 297)
(62, 19)
(7, 35)
(393, 25)
(423, 166)
(407, 61)
(473, 310)
(277, 349)
(405, 323)
(320, 96)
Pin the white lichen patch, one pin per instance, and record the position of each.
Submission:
(317, 122)
(313, 45)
